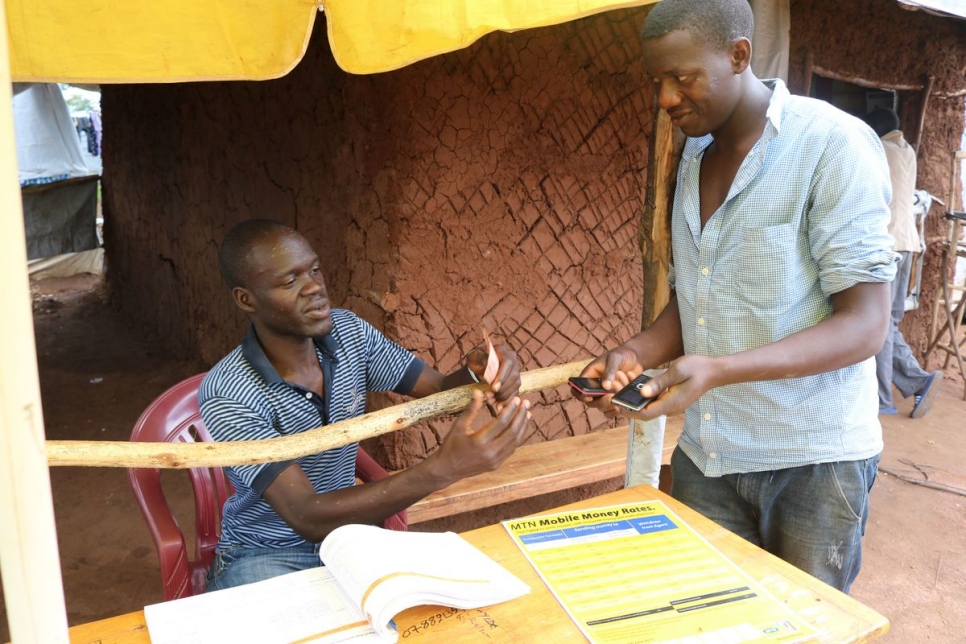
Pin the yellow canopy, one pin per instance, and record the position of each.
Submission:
(369, 36)
(141, 41)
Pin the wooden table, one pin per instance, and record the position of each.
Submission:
(538, 617)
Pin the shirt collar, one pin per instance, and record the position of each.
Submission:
(895, 136)
(773, 115)
(253, 352)
(776, 104)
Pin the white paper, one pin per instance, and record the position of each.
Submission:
(298, 607)
(383, 571)
(386, 572)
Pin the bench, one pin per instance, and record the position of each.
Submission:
(541, 468)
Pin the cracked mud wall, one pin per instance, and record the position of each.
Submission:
(498, 187)
(890, 46)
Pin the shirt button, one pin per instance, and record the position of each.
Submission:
(713, 455)
(705, 271)
(308, 394)
(707, 416)
(700, 321)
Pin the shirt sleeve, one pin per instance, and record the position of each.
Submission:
(389, 367)
(849, 212)
(229, 420)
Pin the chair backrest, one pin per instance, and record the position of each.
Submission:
(174, 417)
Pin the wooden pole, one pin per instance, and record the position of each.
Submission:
(655, 228)
(32, 586)
(807, 73)
(383, 421)
(924, 103)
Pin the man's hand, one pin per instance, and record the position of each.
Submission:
(685, 380)
(466, 451)
(506, 384)
(615, 369)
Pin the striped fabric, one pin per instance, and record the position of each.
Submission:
(805, 218)
(244, 398)
(41, 181)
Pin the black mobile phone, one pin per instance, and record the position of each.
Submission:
(588, 387)
(630, 396)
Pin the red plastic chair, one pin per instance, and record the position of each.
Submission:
(174, 417)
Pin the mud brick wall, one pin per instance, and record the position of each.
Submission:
(894, 46)
(498, 187)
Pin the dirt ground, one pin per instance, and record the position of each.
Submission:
(98, 375)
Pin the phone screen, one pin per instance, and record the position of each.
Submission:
(589, 386)
(630, 397)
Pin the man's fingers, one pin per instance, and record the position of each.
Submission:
(612, 367)
(470, 413)
(655, 385)
(622, 380)
(507, 380)
(512, 434)
(503, 375)
(520, 422)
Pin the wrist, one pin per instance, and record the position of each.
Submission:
(435, 474)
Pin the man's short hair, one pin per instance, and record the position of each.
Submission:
(883, 120)
(715, 22)
(234, 254)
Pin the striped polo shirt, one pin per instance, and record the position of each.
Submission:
(244, 398)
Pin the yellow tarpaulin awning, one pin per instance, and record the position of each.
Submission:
(369, 36)
(125, 41)
(132, 41)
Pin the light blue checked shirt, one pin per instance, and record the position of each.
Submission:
(805, 218)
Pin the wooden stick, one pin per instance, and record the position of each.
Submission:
(32, 586)
(655, 229)
(924, 104)
(383, 421)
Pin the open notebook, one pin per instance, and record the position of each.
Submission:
(371, 574)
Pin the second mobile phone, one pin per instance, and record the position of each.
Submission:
(630, 397)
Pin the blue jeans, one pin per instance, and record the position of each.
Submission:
(895, 364)
(811, 516)
(238, 566)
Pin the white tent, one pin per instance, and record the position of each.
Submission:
(58, 185)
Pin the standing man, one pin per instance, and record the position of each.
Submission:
(780, 301)
(303, 365)
(895, 364)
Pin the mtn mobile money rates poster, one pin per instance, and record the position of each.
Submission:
(637, 574)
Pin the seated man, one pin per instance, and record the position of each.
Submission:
(304, 365)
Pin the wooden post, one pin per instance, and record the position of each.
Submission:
(807, 73)
(646, 438)
(924, 103)
(32, 586)
(655, 228)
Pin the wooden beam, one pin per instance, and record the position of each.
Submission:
(32, 586)
(864, 82)
(541, 468)
(383, 421)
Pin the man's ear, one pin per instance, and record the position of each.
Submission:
(243, 299)
(740, 55)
